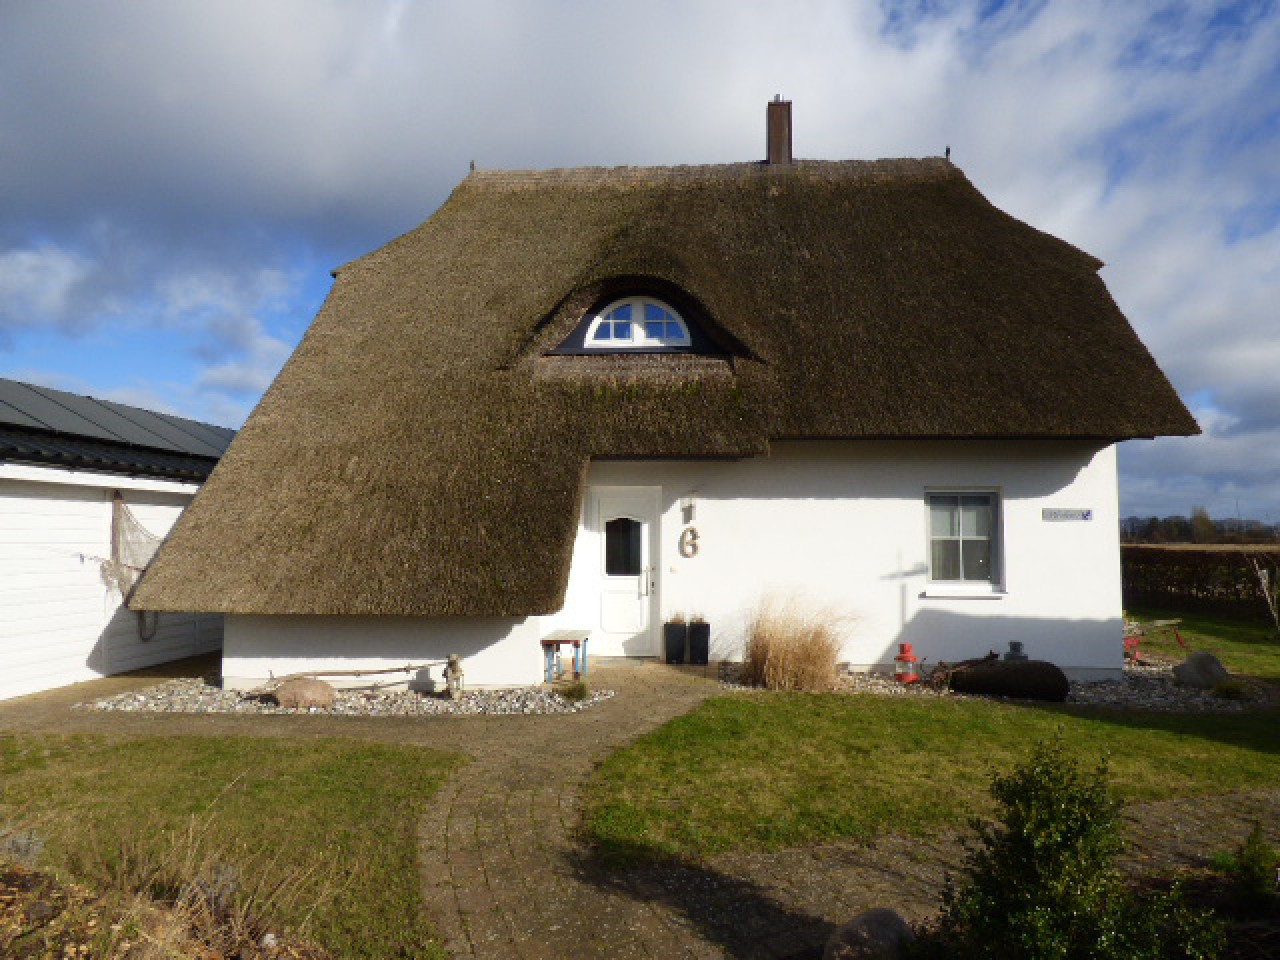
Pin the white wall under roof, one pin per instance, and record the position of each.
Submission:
(843, 527)
(495, 651)
(59, 620)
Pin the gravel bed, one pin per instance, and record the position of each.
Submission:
(1150, 686)
(1144, 686)
(192, 695)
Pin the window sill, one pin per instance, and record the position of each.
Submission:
(962, 593)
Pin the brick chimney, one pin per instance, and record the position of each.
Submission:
(778, 123)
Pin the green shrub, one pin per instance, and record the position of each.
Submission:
(1041, 883)
(574, 691)
(1254, 870)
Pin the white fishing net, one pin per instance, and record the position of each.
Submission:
(132, 547)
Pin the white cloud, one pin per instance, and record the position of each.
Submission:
(252, 372)
(229, 319)
(146, 397)
(36, 285)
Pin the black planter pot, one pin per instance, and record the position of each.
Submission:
(674, 636)
(699, 643)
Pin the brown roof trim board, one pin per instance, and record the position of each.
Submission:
(422, 453)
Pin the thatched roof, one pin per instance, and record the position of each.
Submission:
(420, 453)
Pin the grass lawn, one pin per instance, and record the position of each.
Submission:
(335, 820)
(767, 770)
(1244, 647)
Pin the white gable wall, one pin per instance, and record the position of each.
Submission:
(60, 622)
(844, 527)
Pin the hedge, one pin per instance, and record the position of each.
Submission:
(1196, 579)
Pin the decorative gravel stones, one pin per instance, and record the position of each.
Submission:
(1144, 686)
(1151, 686)
(198, 696)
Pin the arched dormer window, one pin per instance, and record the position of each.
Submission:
(636, 322)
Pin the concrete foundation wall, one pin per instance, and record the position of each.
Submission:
(496, 652)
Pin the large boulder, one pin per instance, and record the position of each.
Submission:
(879, 934)
(1201, 670)
(1024, 679)
(303, 693)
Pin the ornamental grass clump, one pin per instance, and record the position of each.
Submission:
(1041, 882)
(789, 647)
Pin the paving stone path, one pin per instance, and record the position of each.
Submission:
(504, 876)
(502, 870)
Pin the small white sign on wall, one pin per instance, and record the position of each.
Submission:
(1064, 515)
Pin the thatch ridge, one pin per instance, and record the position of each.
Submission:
(624, 177)
(421, 455)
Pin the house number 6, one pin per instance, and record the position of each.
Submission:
(689, 542)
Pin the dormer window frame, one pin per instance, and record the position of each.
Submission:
(631, 326)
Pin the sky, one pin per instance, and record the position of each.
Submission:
(178, 178)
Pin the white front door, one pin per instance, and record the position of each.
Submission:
(626, 521)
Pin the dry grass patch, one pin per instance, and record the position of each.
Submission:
(43, 916)
(792, 647)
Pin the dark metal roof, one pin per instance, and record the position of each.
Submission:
(42, 425)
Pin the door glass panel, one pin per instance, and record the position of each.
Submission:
(622, 554)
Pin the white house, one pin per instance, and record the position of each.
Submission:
(87, 489)
(594, 398)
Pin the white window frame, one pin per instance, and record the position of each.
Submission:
(992, 587)
(638, 336)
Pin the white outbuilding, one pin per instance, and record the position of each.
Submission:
(88, 489)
